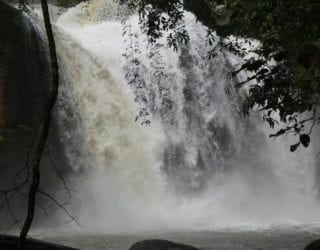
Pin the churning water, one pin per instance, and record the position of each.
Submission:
(157, 138)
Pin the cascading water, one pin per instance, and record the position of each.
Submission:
(170, 149)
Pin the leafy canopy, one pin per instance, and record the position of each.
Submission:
(286, 67)
(283, 77)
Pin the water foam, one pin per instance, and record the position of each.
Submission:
(199, 165)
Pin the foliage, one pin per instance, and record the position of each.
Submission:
(160, 16)
(282, 71)
(286, 67)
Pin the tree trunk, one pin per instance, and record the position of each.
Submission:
(44, 128)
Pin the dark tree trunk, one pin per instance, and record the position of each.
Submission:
(44, 128)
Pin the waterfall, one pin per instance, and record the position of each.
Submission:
(157, 138)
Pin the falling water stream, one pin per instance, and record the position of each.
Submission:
(156, 137)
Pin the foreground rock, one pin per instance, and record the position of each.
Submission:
(24, 89)
(12, 243)
(24, 70)
(315, 245)
(160, 245)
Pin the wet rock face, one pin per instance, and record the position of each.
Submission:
(23, 70)
(23, 82)
(160, 245)
(23, 86)
(3, 112)
(24, 90)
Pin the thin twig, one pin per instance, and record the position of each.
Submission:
(43, 209)
(61, 206)
(16, 221)
(65, 186)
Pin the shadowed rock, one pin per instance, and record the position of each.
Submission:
(23, 70)
(314, 245)
(12, 243)
(160, 245)
(24, 90)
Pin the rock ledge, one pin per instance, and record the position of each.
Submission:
(12, 243)
(160, 245)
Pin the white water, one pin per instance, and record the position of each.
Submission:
(199, 165)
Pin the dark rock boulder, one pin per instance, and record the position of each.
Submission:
(160, 245)
(24, 71)
(24, 85)
(314, 245)
(12, 243)
(24, 90)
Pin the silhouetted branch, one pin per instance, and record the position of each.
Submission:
(65, 187)
(61, 206)
(16, 221)
(43, 209)
(46, 122)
